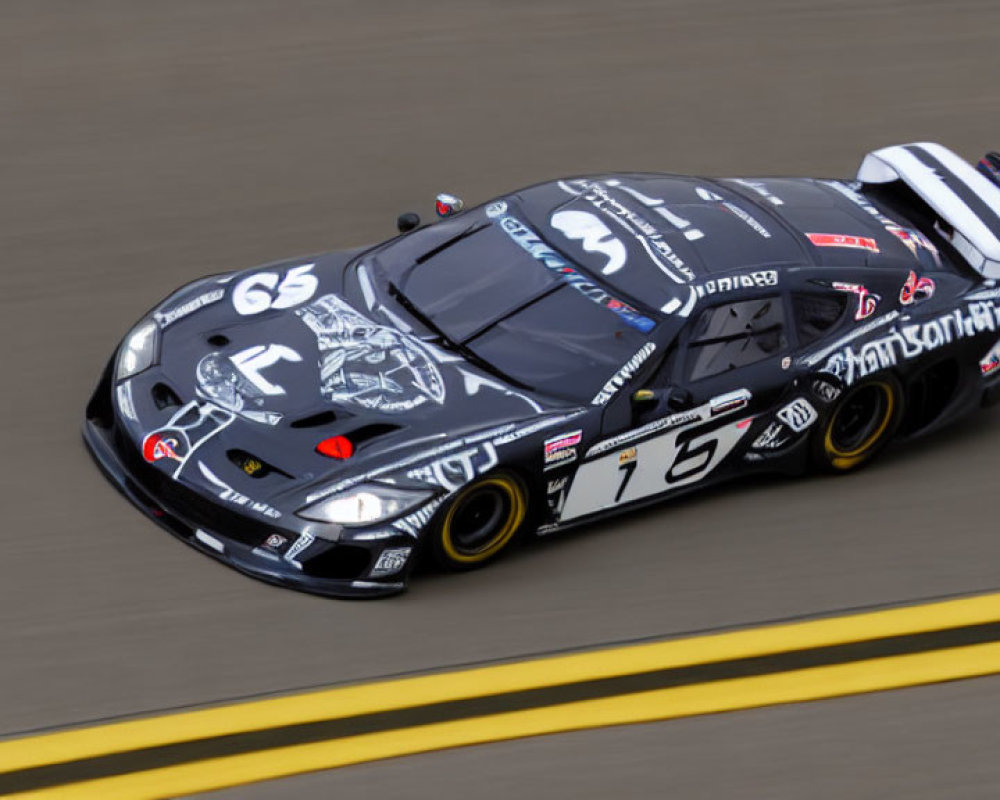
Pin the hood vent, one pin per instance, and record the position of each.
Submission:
(164, 396)
(253, 466)
(319, 420)
(368, 432)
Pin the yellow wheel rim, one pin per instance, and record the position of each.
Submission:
(846, 459)
(517, 508)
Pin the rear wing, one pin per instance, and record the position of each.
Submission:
(966, 200)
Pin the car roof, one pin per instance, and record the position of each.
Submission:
(662, 239)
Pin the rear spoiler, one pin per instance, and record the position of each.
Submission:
(965, 199)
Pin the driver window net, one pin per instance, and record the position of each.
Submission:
(736, 335)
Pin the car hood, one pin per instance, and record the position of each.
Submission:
(241, 401)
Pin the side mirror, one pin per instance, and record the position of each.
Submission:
(447, 204)
(643, 398)
(407, 222)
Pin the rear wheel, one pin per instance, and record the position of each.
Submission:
(860, 425)
(480, 521)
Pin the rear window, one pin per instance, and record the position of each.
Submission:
(736, 335)
(816, 313)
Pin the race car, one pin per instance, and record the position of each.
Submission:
(562, 353)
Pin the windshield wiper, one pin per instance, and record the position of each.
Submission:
(445, 342)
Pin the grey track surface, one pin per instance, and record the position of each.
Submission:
(927, 742)
(144, 144)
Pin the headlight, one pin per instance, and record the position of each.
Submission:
(365, 504)
(138, 351)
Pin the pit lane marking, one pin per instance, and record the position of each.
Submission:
(196, 751)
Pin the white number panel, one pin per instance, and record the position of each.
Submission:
(685, 453)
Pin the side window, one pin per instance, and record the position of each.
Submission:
(816, 313)
(736, 335)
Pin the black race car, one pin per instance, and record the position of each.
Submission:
(567, 351)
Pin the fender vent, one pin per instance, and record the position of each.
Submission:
(928, 394)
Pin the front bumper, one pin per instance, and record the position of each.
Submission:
(300, 561)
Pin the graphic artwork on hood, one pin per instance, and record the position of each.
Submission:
(366, 364)
(221, 380)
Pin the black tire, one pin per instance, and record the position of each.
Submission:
(859, 425)
(480, 521)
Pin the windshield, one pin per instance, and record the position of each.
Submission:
(514, 307)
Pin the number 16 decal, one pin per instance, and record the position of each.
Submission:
(656, 465)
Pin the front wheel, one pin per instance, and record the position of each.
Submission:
(860, 424)
(480, 521)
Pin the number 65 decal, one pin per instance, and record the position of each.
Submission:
(262, 291)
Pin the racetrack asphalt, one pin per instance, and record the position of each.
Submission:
(145, 144)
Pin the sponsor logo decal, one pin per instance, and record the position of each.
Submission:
(658, 205)
(771, 438)
(914, 241)
(713, 197)
(867, 301)
(252, 466)
(557, 485)
(562, 441)
(624, 375)
(275, 540)
(910, 341)
(230, 495)
(625, 456)
(164, 318)
(843, 240)
(761, 188)
(390, 561)
(798, 415)
(825, 390)
(413, 524)
(561, 450)
(528, 240)
(156, 446)
(300, 544)
(760, 278)
(991, 361)
(453, 471)
(649, 237)
(594, 237)
(187, 430)
(916, 289)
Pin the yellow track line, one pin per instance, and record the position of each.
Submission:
(88, 742)
(707, 698)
